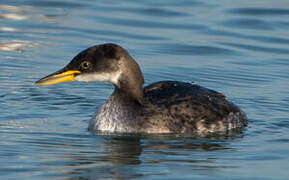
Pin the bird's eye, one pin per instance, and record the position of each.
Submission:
(85, 65)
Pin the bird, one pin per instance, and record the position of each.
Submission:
(162, 107)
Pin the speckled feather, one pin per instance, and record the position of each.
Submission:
(170, 107)
(186, 107)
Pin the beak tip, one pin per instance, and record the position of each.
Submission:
(37, 83)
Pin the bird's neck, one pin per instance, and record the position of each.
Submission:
(121, 110)
(119, 113)
(128, 92)
(129, 85)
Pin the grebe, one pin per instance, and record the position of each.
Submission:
(162, 107)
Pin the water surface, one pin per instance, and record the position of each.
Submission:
(238, 48)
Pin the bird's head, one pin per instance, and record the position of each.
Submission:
(101, 63)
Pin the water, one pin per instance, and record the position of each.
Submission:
(238, 48)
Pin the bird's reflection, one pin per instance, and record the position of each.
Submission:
(115, 157)
(123, 156)
(123, 150)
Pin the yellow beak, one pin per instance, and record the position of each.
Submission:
(58, 77)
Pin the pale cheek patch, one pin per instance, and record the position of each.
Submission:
(99, 77)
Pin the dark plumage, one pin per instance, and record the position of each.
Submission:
(162, 107)
(190, 107)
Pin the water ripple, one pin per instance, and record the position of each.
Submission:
(256, 24)
(58, 4)
(186, 49)
(137, 23)
(260, 11)
(146, 11)
(259, 48)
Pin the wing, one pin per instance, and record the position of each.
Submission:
(187, 107)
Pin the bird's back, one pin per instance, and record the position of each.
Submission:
(172, 106)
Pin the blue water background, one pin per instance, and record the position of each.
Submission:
(240, 48)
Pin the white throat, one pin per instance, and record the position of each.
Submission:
(112, 77)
